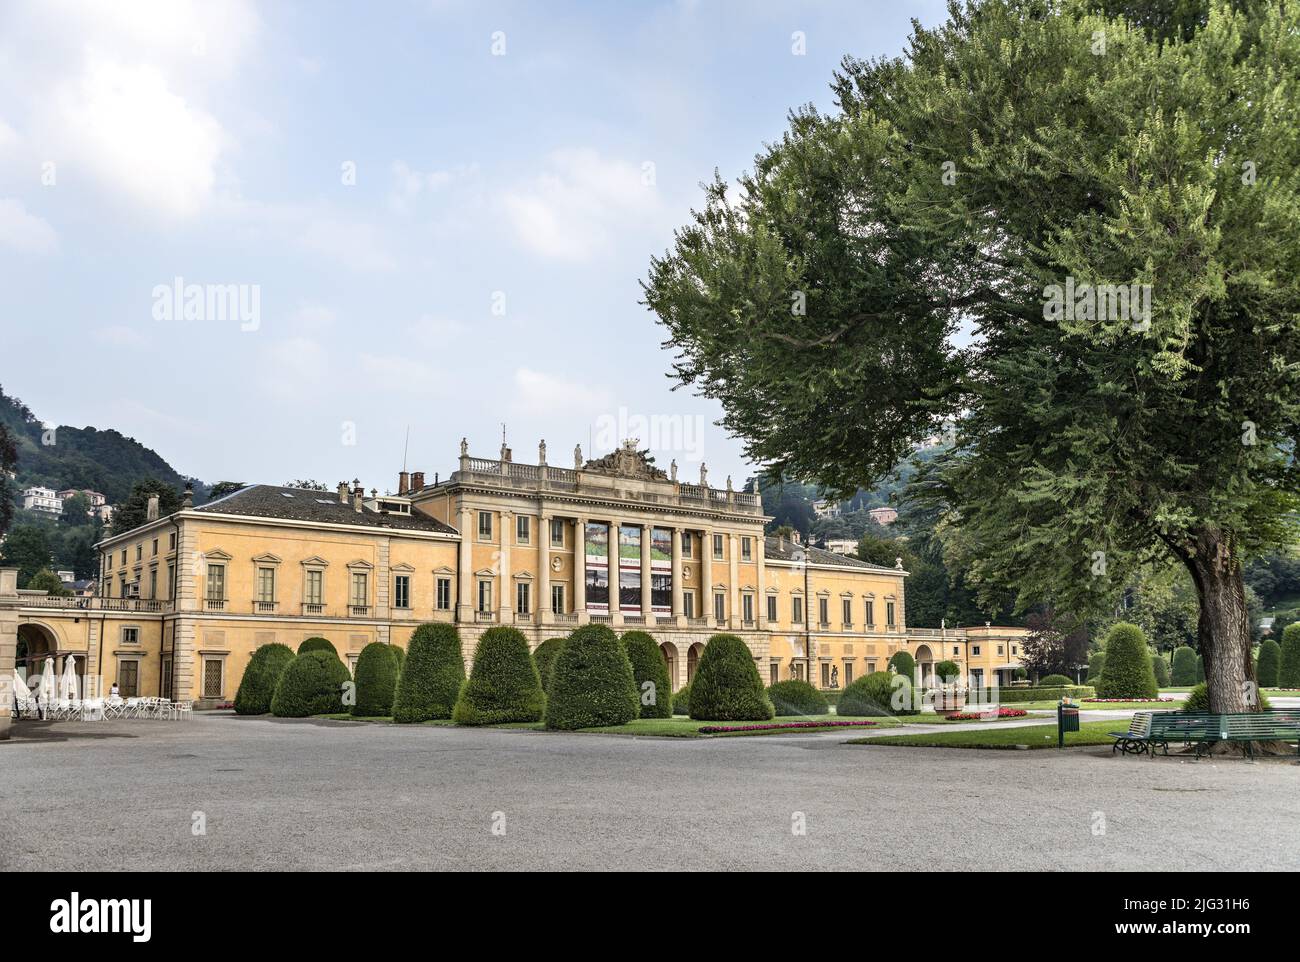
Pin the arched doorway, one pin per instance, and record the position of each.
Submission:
(669, 652)
(924, 665)
(693, 660)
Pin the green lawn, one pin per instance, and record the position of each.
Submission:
(1033, 736)
(1100, 706)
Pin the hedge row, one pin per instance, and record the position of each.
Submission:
(431, 677)
(592, 684)
(257, 687)
(312, 684)
(503, 684)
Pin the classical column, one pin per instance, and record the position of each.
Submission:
(647, 598)
(677, 578)
(464, 576)
(505, 577)
(613, 564)
(9, 643)
(543, 600)
(734, 613)
(761, 583)
(580, 570)
(706, 575)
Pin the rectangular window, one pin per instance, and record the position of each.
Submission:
(747, 607)
(523, 598)
(485, 526)
(315, 588)
(889, 614)
(796, 610)
(846, 611)
(975, 651)
(771, 607)
(444, 594)
(719, 606)
(999, 649)
(153, 582)
(171, 541)
(402, 591)
(485, 596)
(360, 589)
(212, 678)
(717, 547)
(687, 541)
(823, 611)
(826, 674)
(557, 599)
(155, 545)
(688, 604)
(166, 677)
(848, 673)
(128, 678)
(773, 673)
(1013, 649)
(871, 614)
(171, 581)
(557, 533)
(265, 585)
(122, 585)
(216, 583)
(123, 556)
(746, 549)
(139, 551)
(130, 636)
(523, 529)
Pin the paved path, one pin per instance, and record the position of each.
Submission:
(322, 795)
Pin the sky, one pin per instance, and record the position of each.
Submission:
(268, 239)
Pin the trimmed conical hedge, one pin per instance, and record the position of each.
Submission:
(592, 685)
(727, 686)
(503, 685)
(796, 698)
(312, 684)
(376, 680)
(650, 671)
(431, 677)
(257, 687)
(400, 654)
(879, 693)
(1161, 670)
(1055, 681)
(1128, 672)
(682, 701)
(544, 658)
(903, 663)
(317, 644)
(1269, 666)
(1184, 671)
(1288, 675)
(1096, 665)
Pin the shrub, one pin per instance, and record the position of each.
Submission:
(949, 672)
(317, 644)
(1288, 675)
(1200, 669)
(1054, 681)
(431, 677)
(257, 686)
(682, 701)
(726, 686)
(1128, 671)
(1020, 674)
(797, 698)
(1008, 694)
(1198, 699)
(1268, 668)
(1096, 665)
(312, 684)
(544, 658)
(1161, 670)
(503, 685)
(400, 654)
(592, 684)
(649, 668)
(1183, 674)
(904, 664)
(376, 680)
(879, 693)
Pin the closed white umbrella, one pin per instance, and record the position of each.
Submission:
(68, 683)
(47, 687)
(20, 686)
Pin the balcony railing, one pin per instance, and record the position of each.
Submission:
(264, 607)
(565, 617)
(96, 604)
(358, 611)
(634, 619)
(313, 608)
(214, 604)
(485, 617)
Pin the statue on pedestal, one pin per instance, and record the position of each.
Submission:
(672, 470)
(577, 457)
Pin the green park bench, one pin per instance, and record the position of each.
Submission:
(1204, 730)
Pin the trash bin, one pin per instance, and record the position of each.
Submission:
(1067, 720)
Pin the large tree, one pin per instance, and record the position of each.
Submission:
(133, 512)
(900, 265)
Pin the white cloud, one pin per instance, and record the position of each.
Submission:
(409, 183)
(119, 335)
(574, 210)
(537, 391)
(295, 369)
(352, 244)
(23, 231)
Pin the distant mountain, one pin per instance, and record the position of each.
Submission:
(106, 461)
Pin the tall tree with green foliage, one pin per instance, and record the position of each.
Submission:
(132, 512)
(1024, 154)
(27, 548)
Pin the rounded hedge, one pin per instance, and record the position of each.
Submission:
(592, 685)
(949, 672)
(1183, 674)
(503, 685)
(904, 664)
(876, 694)
(797, 697)
(431, 677)
(1055, 681)
(682, 701)
(1269, 666)
(1096, 665)
(400, 654)
(727, 686)
(1198, 699)
(1128, 672)
(544, 656)
(376, 680)
(1161, 670)
(312, 684)
(316, 643)
(257, 687)
(650, 671)
(1288, 675)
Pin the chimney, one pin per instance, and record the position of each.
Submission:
(403, 482)
(343, 492)
(187, 500)
(358, 495)
(417, 481)
(151, 512)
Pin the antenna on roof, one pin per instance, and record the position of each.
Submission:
(406, 447)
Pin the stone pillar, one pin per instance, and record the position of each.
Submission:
(734, 613)
(580, 570)
(706, 574)
(505, 579)
(185, 675)
(8, 644)
(760, 549)
(543, 600)
(465, 574)
(613, 564)
(677, 578)
(647, 598)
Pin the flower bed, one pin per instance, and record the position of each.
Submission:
(977, 715)
(778, 726)
(1126, 700)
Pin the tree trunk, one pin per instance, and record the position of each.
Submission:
(1223, 628)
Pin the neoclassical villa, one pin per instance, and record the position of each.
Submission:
(186, 598)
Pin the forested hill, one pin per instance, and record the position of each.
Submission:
(106, 461)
